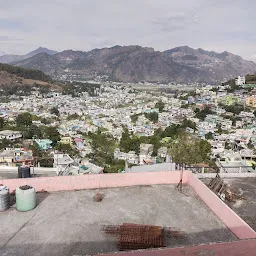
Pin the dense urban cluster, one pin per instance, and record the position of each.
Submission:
(112, 127)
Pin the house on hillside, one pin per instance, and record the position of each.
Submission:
(66, 140)
(16, 156)
(44, 144)
(10, 135)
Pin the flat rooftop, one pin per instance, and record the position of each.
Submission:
(70, 223)
(14, 174)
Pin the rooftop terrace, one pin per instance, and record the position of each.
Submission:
(67, 221)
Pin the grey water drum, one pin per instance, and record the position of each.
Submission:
(4, 198)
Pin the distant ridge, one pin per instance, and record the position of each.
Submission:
(8, 58)
(136, 64)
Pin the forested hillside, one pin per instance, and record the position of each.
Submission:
(25, 73)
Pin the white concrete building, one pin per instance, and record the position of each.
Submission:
(240, 80)
(10, 135)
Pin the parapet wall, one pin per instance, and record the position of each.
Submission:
(237, 225)
(94, 181)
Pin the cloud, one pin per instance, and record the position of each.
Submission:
(162, 24)
(177, 21)
(4, 38)
(8, 39)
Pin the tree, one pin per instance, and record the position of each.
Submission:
(188, 123)
(115, 166)
(160, 105)
(254, 112)
(67, 148)
(227, 145)
(188, 149)
(129, 142)
(197, 110)
(35, 118)
(55, 111)
(209, 136)
(51, 133)
(220, 130)
(155, 141)
(31, 132)
(103, 146)
(72, 117)
(235, 109)
(45, 121)
(4, 143)
(184, 106)
(24, 119)
(134, 118)
(153, 116)
(215, 89)
(36, 150)
(1, 123)
(203, 113)
(172, 131)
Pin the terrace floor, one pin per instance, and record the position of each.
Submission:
(69, 223)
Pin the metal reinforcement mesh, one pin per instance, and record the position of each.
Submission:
(136, 236)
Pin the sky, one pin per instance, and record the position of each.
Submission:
(219, 25)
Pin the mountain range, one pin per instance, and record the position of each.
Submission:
(9, 58)
(135, 64)
(2, 53)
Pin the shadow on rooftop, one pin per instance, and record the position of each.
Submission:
(14, 246)
(41, 196)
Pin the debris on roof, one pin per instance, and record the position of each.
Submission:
(224, 191)
(98, 197)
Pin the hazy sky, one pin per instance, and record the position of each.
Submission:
(217, 25)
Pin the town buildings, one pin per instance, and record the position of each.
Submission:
(116, 106)
(240, 80)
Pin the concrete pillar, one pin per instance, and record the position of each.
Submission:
(126, 165)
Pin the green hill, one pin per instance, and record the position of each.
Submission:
(25, 73)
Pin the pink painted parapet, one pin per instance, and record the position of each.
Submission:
(238, 226)
(62, 183)
(133, 179)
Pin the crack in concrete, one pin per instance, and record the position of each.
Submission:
(18, 231)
